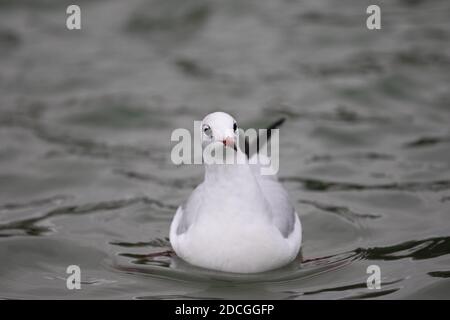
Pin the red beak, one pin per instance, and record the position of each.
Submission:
(229, 142)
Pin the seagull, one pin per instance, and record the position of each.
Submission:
(236, 220)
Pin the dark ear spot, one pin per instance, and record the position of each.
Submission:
(207, 130)
(235, 126)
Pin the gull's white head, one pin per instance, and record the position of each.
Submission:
(219, 127)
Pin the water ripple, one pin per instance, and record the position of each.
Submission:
(311, 184)
(77, 145)
(166, 264)
(440, 274)
(426, 142)
(54, 200)
(414, 249)
(157, 243)
(30, 225)
(341, 211)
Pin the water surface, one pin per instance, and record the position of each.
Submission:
(86, 118)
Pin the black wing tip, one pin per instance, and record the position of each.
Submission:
(274, 125)
(277, 123)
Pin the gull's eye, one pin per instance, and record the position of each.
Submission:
(235, 126)
(207, 130)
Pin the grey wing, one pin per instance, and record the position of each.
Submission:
(190, 209)
(278, 199)
(282, 210)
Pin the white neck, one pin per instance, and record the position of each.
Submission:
(229, 184)
(218, 173)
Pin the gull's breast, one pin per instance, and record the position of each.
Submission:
(237, 246)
